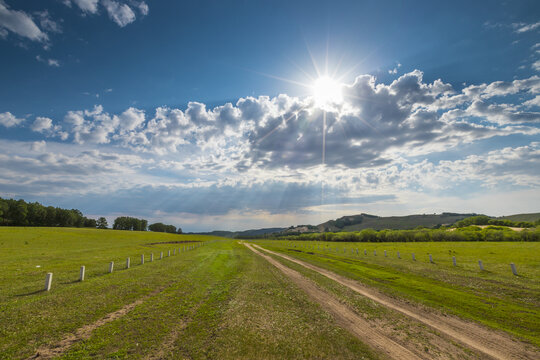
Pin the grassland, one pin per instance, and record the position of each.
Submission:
(216, 301)
(494, 297)
(530, 217)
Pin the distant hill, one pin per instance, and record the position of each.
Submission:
(366, 221)
(245, 233)
(532, 217)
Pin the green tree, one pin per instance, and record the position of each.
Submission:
(102, 223)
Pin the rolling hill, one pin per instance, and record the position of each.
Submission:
(366, 221)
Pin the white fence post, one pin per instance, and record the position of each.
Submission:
(151, 257)
(169, 253)
(481, 265)
(81, 274)
(127, 263)
(375, 252)
(161, 255)
(413, 257)
(398, 255)
(513, 267)
(365, 252)
(142, 259)
(48, 281)
(430, 259)
(454, 260)
(384, 253)
(111, 267)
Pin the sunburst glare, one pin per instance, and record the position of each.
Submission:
(327, 91)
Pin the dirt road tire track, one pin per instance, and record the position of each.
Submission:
(490, 342)
(83, 333)
(344, 316)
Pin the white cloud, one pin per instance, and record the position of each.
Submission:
(7, 119)
(523, 27)
(536, 65)
(38, 146)
(532, 102)
(46, 22)
(130, 120)
(143, 8)
(41, 124)
(20, 23)
(395, 69)
(50, 62)
(121, 14)
(87, 6)
(375, 124)
(53, 62)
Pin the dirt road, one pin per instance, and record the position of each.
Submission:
(493, 343)
(343, 315)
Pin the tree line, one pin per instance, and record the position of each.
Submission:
(22, 213)
(160, 227)
(486, 220)
(469, 233)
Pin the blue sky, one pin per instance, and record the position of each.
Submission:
(204, 114)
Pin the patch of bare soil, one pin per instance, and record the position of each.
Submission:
(495, 344)
(174, 242)
(83, 333)
(344, 316)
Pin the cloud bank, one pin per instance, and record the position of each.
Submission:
(283, 155)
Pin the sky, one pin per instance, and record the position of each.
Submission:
(234, 115)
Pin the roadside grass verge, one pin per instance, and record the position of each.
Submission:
(497, 300)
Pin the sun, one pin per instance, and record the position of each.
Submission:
(327, 91)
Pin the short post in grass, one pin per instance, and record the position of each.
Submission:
(413, 257)
(161, 255)
(169, 253)
(174, 252)
(384, 253)
(81, 274)
(127, 263)
(111, 266)
(142, 259)
(398, 255)
(481, 265)
(151, 257)
(365, 252)
(48, 281)
(430, 258)
(454, 260)
(375, 252)
(513, 267)
(356, 251)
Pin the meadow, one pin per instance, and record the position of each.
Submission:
(215, 301)
(224, 300)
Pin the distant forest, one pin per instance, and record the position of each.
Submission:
(22, 213)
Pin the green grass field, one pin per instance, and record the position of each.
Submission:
(222, 301)
(494, 297)
(216, 301)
